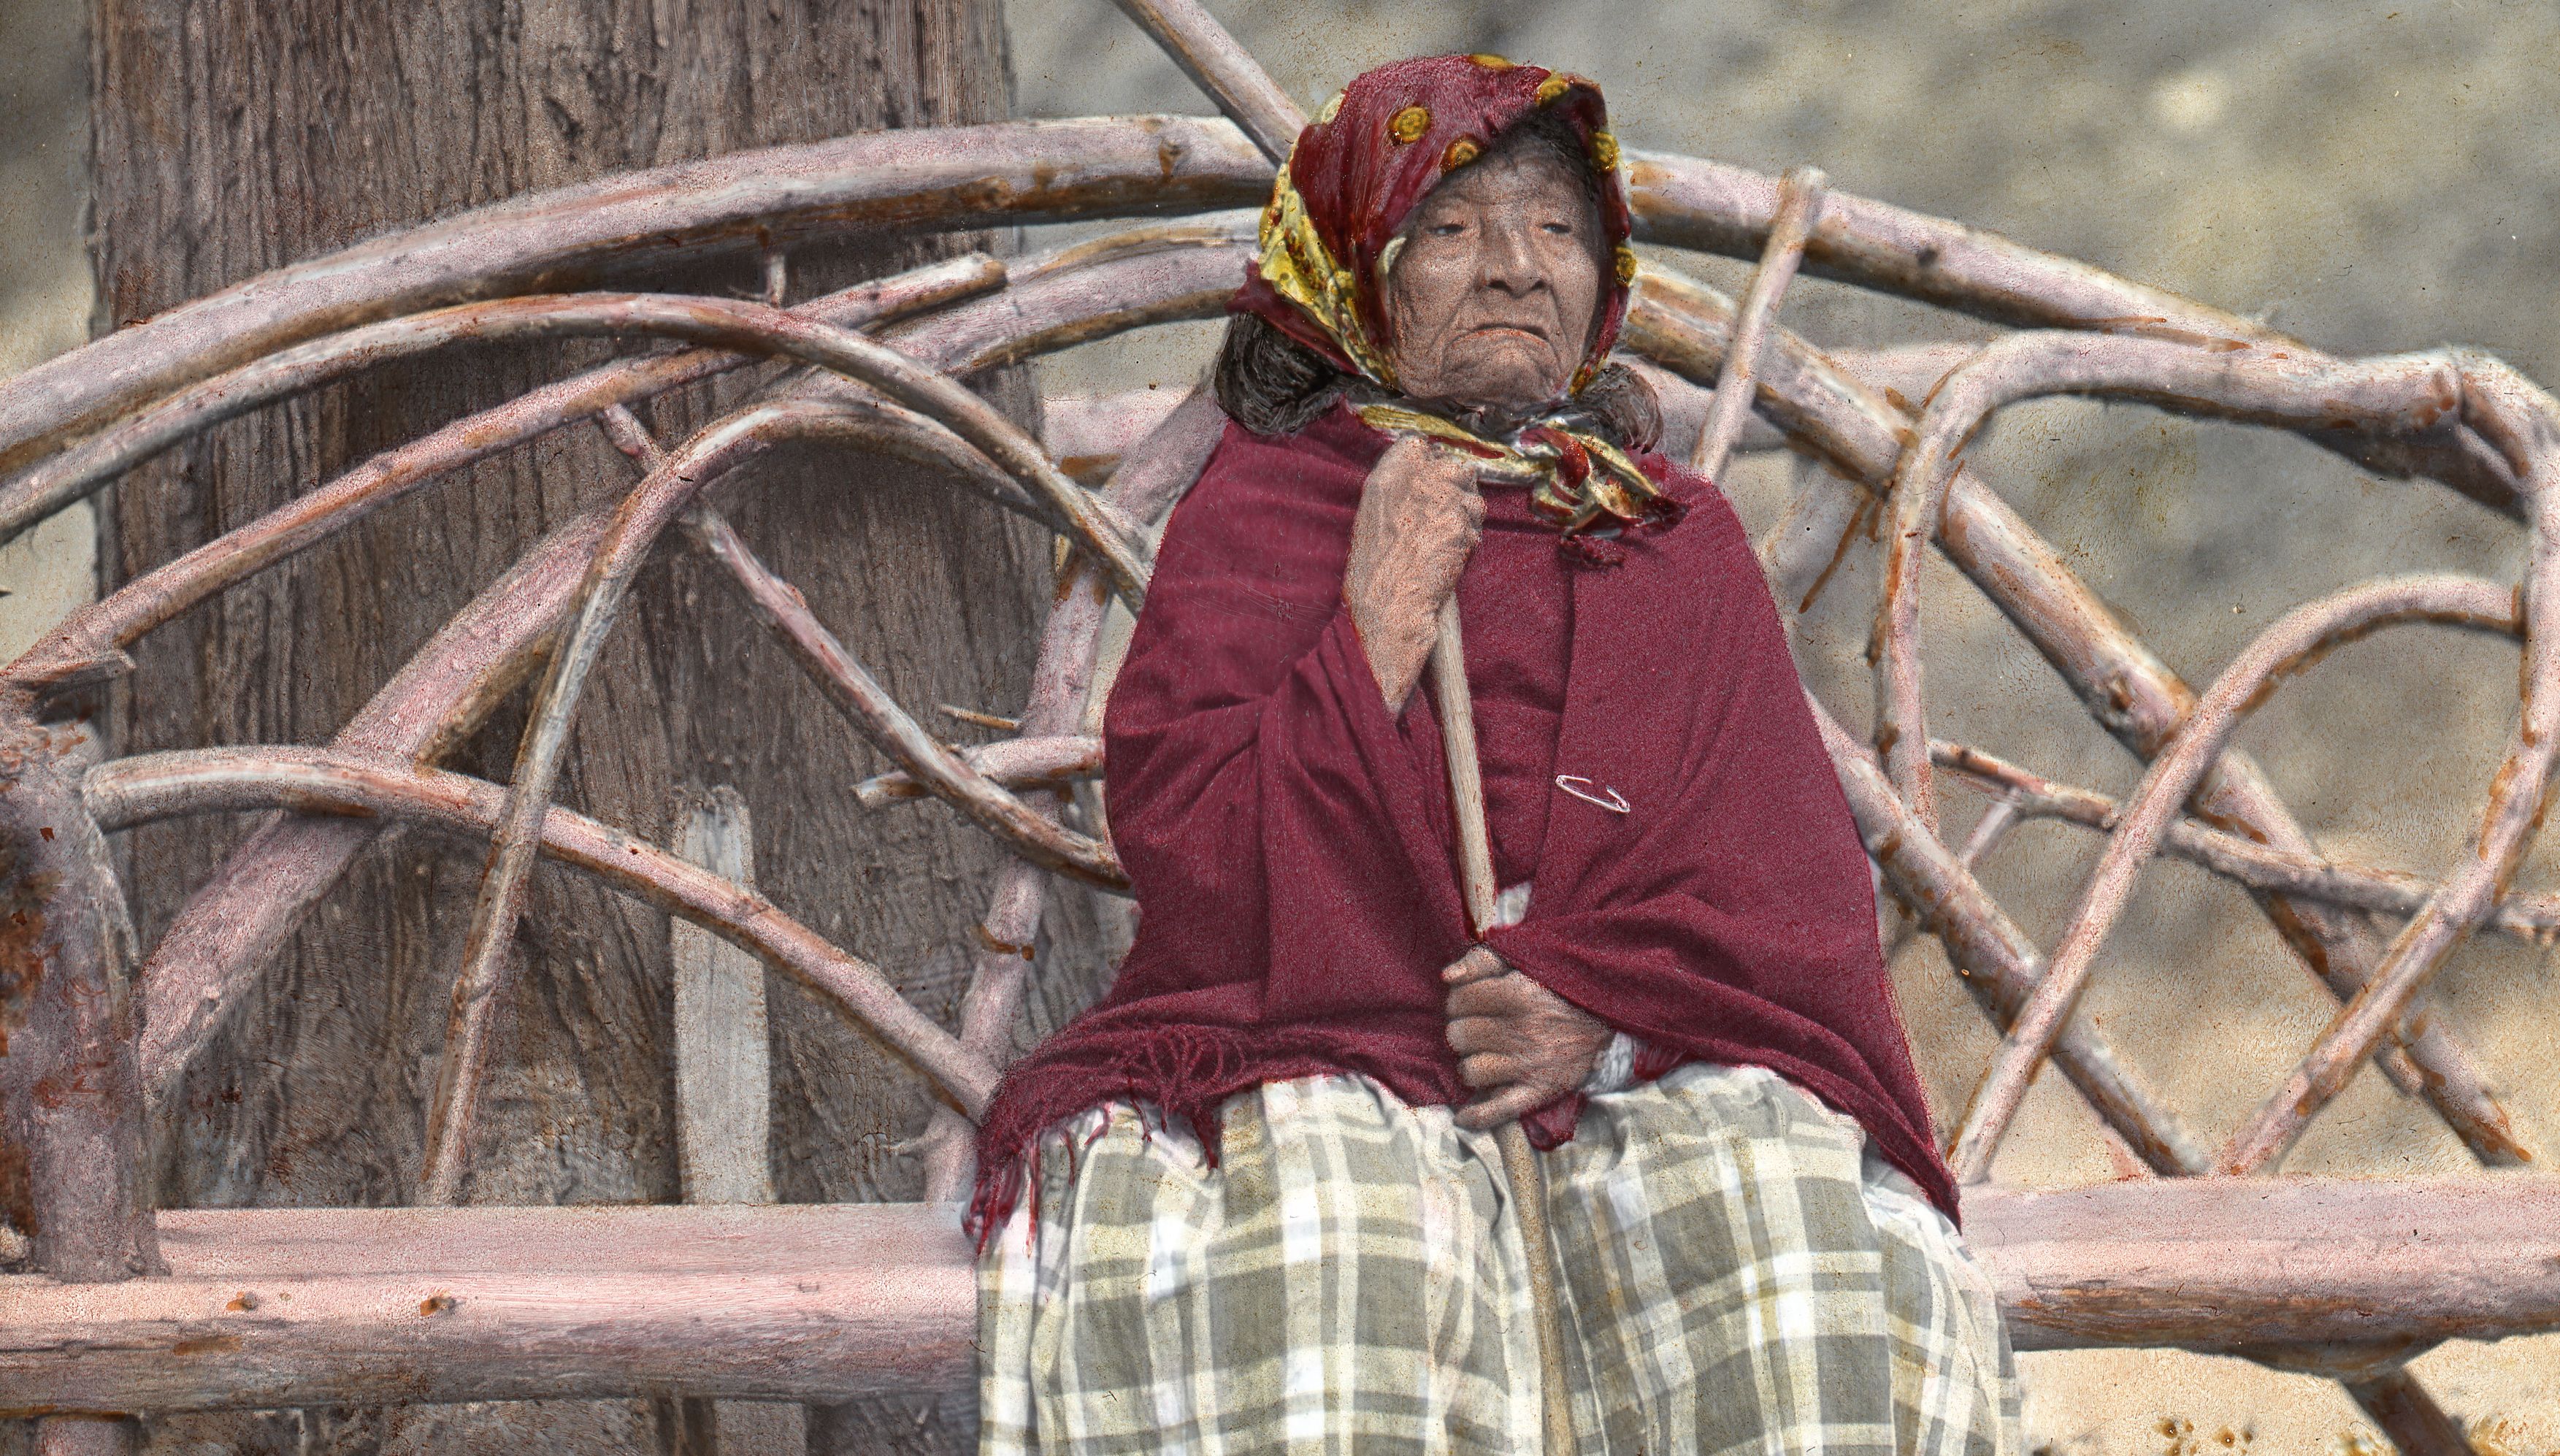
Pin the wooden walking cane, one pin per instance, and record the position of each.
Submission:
(1520, 1161)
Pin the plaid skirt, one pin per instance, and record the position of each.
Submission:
(1741, 1272)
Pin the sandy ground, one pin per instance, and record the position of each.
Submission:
(2373, 176)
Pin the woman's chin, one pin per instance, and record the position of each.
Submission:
(1504, 389)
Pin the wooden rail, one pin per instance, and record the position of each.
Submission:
(821, 1302)
(277, 1307)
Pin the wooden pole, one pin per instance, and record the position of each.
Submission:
(724, 1082)
(1800, 199)
(724, 1093)
(70, 1104)
(1520, 1161)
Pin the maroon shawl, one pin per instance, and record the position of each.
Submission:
(1291, 849)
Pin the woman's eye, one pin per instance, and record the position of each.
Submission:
(1446, 229)
(1560, 229)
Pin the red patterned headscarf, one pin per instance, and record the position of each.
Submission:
(1351, 182)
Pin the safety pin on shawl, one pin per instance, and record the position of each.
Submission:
(1615, 803)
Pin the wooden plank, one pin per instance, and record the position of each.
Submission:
(656, 1239)
(819, 1302)
(724, 1088)
(724, 1082)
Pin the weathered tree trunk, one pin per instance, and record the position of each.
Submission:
(236, 135)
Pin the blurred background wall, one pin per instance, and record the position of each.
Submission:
(2369, 176)
(44, 272)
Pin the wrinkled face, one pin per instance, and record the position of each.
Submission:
(1496, 288)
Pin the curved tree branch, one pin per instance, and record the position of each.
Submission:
(919, 179)
(2300, 636)
(136, 790)
(2405, 394)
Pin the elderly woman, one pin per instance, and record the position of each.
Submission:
(1251, 1200)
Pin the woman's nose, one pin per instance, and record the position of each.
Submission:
(1508, 263)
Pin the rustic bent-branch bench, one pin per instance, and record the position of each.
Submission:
(122, 1310)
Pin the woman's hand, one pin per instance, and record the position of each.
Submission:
(1419, 519)
(1518, 1044)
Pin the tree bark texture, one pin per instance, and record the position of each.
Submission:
(232, 136)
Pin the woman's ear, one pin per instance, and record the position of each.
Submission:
(1387, 329)
(1387, 258)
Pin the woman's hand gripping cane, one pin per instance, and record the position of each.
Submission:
(1518, 1045)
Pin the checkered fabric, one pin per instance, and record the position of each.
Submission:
(1743, 1273)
